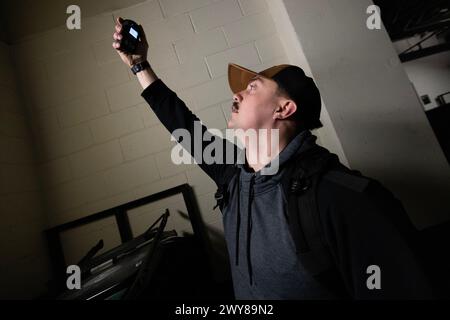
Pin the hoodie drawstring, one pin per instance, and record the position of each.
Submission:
(249, 229)
(249, 223)
(238, 216)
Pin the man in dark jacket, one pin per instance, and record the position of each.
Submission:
(371, 258)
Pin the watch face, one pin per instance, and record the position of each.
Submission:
(139, 67)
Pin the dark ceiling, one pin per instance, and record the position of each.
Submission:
(405, 18)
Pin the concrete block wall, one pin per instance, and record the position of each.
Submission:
(24, 265)
(98, 143)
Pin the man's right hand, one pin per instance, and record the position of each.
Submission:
(141, 49)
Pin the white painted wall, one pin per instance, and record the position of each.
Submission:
(290, 42)
(430, 75)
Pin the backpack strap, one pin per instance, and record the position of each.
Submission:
(300, 183)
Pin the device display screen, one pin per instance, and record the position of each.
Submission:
(133, 33)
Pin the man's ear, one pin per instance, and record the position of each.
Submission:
(285, 109)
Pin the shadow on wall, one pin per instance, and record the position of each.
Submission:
(423, 190)
(218, 259)
(218, 252)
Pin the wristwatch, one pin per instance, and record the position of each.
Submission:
(140, 66)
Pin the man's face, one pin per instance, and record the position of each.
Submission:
(253, 107)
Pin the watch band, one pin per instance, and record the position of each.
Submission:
(140, 66)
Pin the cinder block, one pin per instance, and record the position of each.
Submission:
(86, 107)
(65, 65)
(22, 209)
(75, 193)
(270, 63)
(56, 171)
(31, 72)
(13, 124)
(187, 96)
(169, 30)
(253, 6)
(104, 52)
(249, 28)
(43, 45)
(200, 181)
(84, 82)
(96, 159)
(245, 55)
(211, 92)
(17, 178)
(6, 67)
(174, 7)
(117, 124)
(66, 141)
(212, 117)
(270, 48)
(111, 74)
(148, 116)
(16, 150)
(167, 167)
(161, 55)
(34, 81)
(186, 75)
(201, 44)
(93, 29)
(58, 91)
(28, 241)
(46, 121)
(215, 15)
(160, 185)
(144, 13)
(124, 95)
(10, 101)
(131, 174)
(144, 142)
(98, 205)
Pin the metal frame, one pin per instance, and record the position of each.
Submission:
(120, 212)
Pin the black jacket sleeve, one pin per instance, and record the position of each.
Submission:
(173, 114)
(364, 228)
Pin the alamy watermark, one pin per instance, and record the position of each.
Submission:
(73, 22)
(374, 280)
(374, 20)
(73, 281)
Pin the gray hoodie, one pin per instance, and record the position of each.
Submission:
(263, 260)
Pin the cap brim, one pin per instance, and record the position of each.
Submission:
(239, 77)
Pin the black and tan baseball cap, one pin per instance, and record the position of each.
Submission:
(293, 80)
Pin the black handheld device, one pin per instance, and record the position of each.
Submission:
(131, 35)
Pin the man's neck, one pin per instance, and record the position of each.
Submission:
(268, 146)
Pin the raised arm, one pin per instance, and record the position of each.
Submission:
(174, 114)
